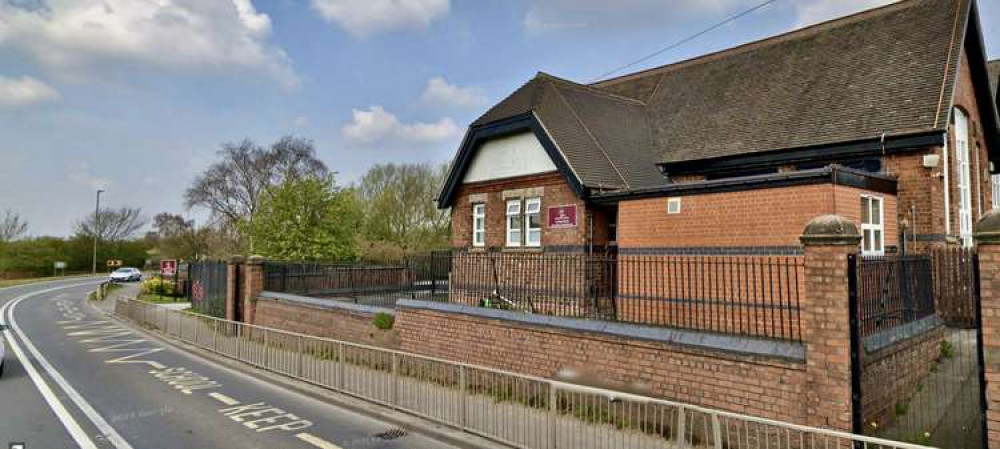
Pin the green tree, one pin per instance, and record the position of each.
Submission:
(399, 207)
(307, 219)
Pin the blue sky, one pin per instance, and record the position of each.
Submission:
(136, 96)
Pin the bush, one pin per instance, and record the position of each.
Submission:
(384, 321)
(157, 286)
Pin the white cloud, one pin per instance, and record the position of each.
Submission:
(81, 175)
(440, 92)
(24, 91)
(377, 125)
(814, 11)
(67, 35)
(365, 18)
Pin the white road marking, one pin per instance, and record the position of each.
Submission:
(223, 398)
(109, 432)
(316, 441)
(67, 420)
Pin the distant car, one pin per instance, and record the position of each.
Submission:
(125, 275)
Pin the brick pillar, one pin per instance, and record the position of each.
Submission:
(253, 281)
(987, 237)
(234, 264)
(828, 240)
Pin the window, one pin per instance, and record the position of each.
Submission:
(524, 226)
(673, 205)
(479, 225)
(533, 221)
(964, 182)
(995, 185)
(515, 223)
(872, 227)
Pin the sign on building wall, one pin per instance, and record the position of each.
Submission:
(168, 267)
(562, 216)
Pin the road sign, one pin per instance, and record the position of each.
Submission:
(168, 267)
(114, 263)
(60, 265)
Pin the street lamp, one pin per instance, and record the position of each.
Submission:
(96, 230)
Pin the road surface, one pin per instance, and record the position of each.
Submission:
(73, 378)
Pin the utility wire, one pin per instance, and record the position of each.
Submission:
(684, 41)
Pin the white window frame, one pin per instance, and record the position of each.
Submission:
(964, 182)
(479, 225)
(533, 209)
(878, 245)
(515, 233)
(995, 187)
(673, 206)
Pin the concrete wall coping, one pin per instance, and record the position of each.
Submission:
(740, 345)
(898, 334)
(325, 303)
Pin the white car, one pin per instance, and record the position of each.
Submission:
(125, 275)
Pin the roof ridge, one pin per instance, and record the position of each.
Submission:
(591, 135)
(591, 89)
(764, 42)
(950, 66)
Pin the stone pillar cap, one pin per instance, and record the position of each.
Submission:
(237, 259)
(988, 228)
(832, 230)
(256, 260)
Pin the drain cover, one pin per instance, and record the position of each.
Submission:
(391, 434)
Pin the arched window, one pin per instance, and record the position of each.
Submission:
(964, 183)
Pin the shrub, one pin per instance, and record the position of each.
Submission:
(157, 286)
(384, 321)
(947, 349)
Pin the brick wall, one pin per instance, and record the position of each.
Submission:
(550, 187)
(892, 374)
(759, 386)
(345, 325)
(750, 218)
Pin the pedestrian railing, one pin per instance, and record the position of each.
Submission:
(514, 409)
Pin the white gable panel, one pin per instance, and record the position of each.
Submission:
(507, 157)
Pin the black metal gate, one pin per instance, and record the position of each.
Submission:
(916, 337)
(208, 287)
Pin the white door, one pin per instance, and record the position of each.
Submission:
(964, 177)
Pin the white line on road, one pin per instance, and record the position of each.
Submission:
(109, 432)
(316, 441)
(73, 427)
(223, 398)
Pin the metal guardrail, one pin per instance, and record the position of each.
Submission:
(514, 409)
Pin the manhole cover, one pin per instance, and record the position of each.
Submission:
(391, 434)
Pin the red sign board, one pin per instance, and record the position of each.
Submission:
(562, 216)
(168, 267)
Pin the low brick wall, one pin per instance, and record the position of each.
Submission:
(892, 372)
(323, 318)
(743, 379)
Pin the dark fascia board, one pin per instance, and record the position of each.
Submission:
(979, 68)
(478, 135)
(833, 174)
(829, 152)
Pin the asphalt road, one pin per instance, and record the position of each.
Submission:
(73, 378)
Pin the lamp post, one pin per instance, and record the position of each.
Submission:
(96, 230)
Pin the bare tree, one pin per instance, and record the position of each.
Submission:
(232, 188)
(112, 225)
(12, 226)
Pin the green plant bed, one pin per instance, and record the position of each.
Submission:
(157, 299)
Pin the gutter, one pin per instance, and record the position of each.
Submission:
(833, 174)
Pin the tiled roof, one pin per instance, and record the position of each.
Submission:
(995, 77)
(887, 71)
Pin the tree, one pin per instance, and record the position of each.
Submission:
(112, 225)
(400, 207)
(177, 238)
(307, 219)
(12, 226)
(232, 189)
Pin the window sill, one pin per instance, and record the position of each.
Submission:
(522, 249)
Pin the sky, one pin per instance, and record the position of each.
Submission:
(136, 96)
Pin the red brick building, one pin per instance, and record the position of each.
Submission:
(887, 117)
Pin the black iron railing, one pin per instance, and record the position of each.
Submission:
(206, 289)
(893, 290)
